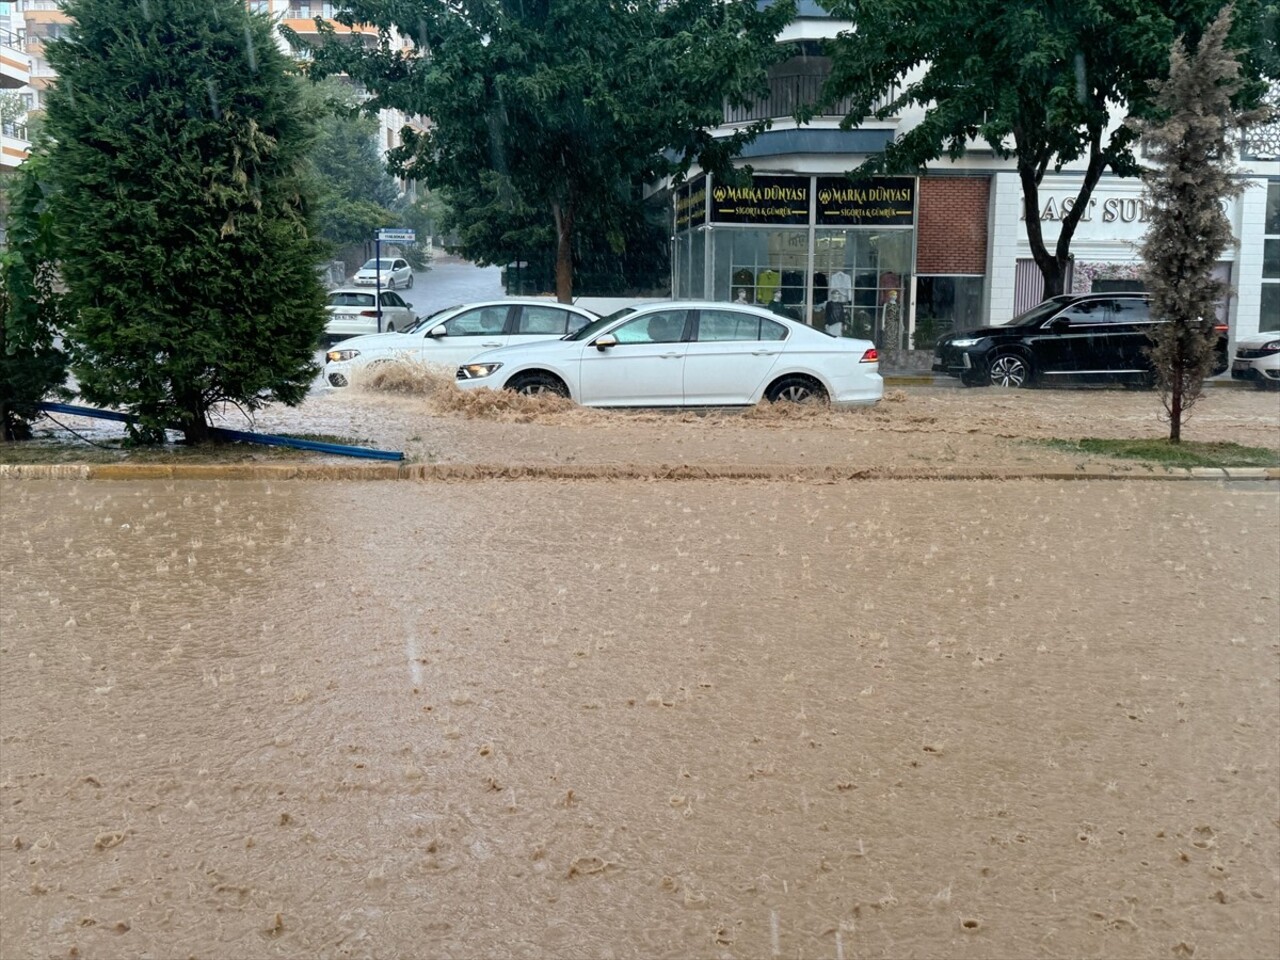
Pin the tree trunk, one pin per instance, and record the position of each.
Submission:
(194, 423)
(1052, 268)
(1175, 408)
(564, 251)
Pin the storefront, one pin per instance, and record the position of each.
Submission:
(832, 253)
(1105, 248)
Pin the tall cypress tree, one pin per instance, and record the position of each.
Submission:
(177, 174)
(1191, 149)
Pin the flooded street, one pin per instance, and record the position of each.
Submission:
(639, 719)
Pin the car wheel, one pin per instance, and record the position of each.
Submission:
(391, 283)
(537, 383)
(1009, 370)
(409, 283)
(973, 380)
(795, 389)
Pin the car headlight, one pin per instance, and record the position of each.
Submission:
(966, 341)
(337, 356)
(1271, 347)
(477, 371)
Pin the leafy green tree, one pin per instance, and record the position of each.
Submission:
(32, 367)
(625, 251)
(354, 192)
(1191, 151)
(178, 147)
(575, 104)
(1035, 80)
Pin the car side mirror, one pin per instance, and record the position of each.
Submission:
(1058, 324)
(439, 331)
(608, 340)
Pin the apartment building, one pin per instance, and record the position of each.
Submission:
(35, 22)
(942, 251)
(15, 78)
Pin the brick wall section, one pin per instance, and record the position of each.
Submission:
(952, 225)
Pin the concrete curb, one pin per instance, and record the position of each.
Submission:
(445, 473)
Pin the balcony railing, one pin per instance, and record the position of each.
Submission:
(789, 92)
(1262, 142)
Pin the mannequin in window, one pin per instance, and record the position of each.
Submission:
(741, 297)
(839, 291)
(777, 306)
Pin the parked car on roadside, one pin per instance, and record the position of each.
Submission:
(456, 334)
(1257, 358)
(686, 353)
(354, 312)
(1094, 337)
(394, 272)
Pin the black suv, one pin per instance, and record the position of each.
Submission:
(1081, 337)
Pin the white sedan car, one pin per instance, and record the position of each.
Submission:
(692, 353)
(1257, 358)
(455, 335)
(391, 272)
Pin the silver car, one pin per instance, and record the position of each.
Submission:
(391, 272)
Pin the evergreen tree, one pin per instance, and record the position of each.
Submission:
(32, 368)
(178, 148)
(1192, 161)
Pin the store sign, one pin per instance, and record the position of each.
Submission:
(691, 204)
(1117, 212)
(766, 200)
(882, 202)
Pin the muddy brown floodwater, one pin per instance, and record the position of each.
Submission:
(639, 719)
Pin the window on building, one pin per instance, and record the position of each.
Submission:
(946, 303)
(1269, 314)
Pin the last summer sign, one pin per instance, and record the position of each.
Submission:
(883, 202)
(764, 200)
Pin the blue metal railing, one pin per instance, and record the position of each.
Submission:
(238, 436)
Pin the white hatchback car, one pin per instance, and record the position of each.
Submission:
(455, 335)
(1257, 358)
(354, 312)
(686, 353)
(393, 271)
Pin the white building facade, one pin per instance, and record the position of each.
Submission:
(922, 255)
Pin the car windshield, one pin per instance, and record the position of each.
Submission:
(1038, 313)
(595, 326)
(373, 265)
(428, 320)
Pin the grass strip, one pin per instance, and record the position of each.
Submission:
(1188, 453)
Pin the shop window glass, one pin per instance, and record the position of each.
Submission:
(761, 266)
(1273, 208)
(866, 283)
(944, 304)
(698, 265)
